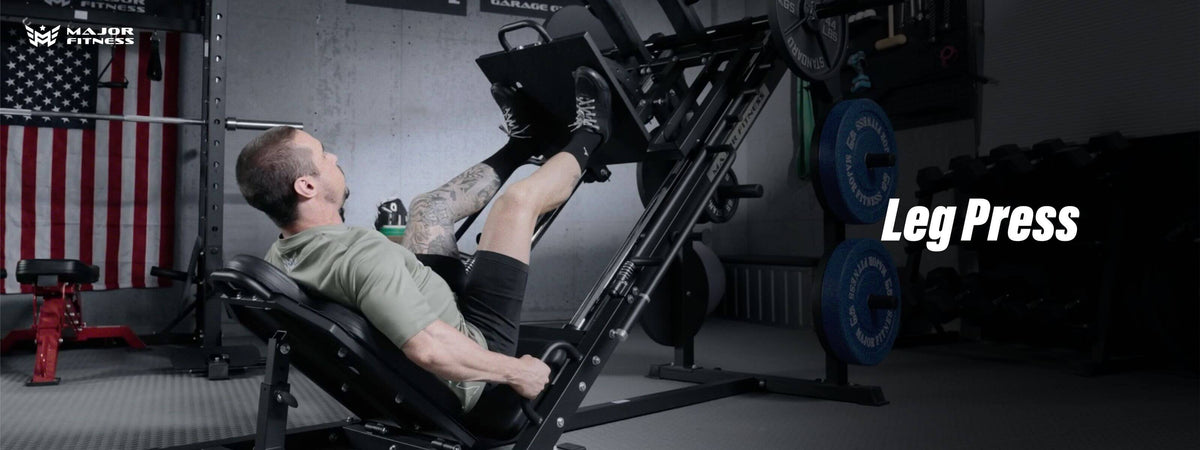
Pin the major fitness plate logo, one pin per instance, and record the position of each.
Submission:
(44, 36)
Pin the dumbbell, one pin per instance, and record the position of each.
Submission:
(979, 299)
(940, 294)
(1010, 160)
(1056, 312)
(995, 303)
(929, 302)
(1002, 163)
(1061, 156)
(860, 81)
(1077, 156)
(1114, 141)
(964, 170)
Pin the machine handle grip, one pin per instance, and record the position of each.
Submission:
(543, 36)
(573, 353)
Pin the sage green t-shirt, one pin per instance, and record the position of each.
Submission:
(361, 268)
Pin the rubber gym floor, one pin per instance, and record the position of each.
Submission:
(942, 397)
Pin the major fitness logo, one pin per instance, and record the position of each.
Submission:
(43, 36)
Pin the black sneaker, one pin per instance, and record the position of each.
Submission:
(593, 109)
(518, 114)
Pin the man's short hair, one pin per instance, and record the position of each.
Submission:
(266, 170)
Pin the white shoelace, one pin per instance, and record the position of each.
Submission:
(585, 114)
(510, 125)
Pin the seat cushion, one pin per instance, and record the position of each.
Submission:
(66, 270)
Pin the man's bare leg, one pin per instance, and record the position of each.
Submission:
(432, 215)
(509, 227)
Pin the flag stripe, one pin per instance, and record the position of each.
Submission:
(100, 173)
(116, 105)
(58, 192)
(166, 238)
(87, 197)
(28, 195)
(70, 211)
(41, 232)
(12, 203)
(3, 204)
(141, 171)
(154, 199)
(128, 175)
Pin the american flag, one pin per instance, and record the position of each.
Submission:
(99, 191)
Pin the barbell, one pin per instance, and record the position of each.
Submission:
(231, 123)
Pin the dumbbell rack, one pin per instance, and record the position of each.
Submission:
(1011, 162)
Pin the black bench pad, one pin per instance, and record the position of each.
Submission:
(67, 271)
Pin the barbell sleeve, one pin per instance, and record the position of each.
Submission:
(740, 191)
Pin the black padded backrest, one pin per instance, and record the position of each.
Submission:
(355, 363)
(66, 270)
(338, 349)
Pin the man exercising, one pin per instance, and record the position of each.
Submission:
(460, 326)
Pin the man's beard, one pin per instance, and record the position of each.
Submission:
(342, 209)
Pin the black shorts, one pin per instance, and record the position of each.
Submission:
(489, 297)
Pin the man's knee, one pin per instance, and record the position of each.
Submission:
(521, 196)
(426, 202)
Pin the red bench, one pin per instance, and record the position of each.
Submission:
(55, 308)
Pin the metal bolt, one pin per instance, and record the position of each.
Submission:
(582, 386)
(560, 422)
(762, 383)
(345, 387)
(398, 399)
(341, 352)
(393, 447)
(595, 360)
(285, 349)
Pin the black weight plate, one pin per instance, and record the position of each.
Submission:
(813, 49)
(715, 274)
(687, 283)
(650, 175)
(847, 328)
(721, 210)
